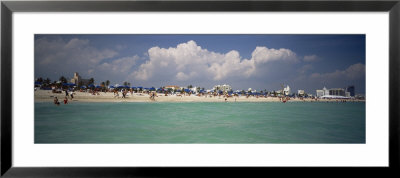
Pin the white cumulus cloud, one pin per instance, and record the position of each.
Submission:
(191, 61)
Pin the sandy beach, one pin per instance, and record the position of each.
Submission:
(48, 96)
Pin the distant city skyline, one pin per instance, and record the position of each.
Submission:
(304, 62)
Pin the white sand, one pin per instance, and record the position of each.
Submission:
(48, 96)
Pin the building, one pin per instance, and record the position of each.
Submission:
(300, 92)
(337, 92)
(332, 92)
(286, 91)
(323, 92)
(320, 93)
(77, 80)
(194, 89)
(224, 88)
(351, 90)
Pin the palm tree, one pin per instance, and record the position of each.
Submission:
(91, 81)
(125, 83)
(47, 81)
(80, 83)
(40, 79)
(190, 86)
(107, 82)
(63, 79)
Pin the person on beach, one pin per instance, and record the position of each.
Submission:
(66, 93)
(123, 94)
(151, 96)
(65, 100)
(56, 101)
(116, 93)
(72, 96)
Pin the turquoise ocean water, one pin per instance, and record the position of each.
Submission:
(293, 122)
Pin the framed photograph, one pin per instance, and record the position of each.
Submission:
(136, 88)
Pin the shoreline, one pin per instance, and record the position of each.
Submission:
(48, 96)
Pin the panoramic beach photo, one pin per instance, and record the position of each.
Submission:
(199, 88)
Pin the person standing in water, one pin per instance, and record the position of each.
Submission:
(56, 101)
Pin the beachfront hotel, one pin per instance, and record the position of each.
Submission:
(286, 91)
(77, 80)
(336, 92)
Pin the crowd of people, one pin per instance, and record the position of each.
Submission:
(67, 95)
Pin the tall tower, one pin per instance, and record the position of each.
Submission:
(351, 90)
(76, 78)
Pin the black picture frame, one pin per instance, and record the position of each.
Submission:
(8, 7)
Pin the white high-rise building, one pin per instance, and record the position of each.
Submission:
(286, 91)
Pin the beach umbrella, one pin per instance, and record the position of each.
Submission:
(38, 83)
(120, 87)
(98, 86)
(91, 85)
(83, 86)
(152, 89)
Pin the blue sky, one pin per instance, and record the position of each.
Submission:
(306, 62)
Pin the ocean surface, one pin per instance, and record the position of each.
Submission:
(272, 122)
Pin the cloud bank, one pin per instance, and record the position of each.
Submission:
(190, 61)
